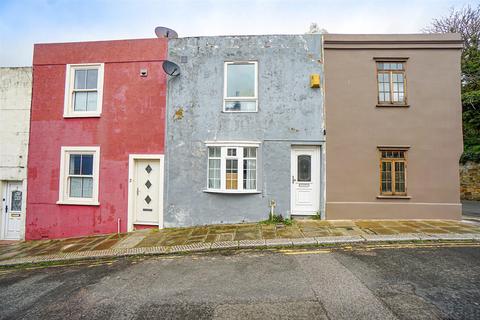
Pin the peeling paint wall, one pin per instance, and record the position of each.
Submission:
(132, 122)
(289, 113)
(15, 98)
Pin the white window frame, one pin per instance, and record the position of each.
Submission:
(68, 111)
(223, 157)
(229, 99)
(63, 195)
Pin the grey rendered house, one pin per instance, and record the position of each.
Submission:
(245, 129)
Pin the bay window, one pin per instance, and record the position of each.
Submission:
(232, 168)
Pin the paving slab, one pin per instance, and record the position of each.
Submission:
(156, 250)
(453, 236)
(342, 223)
(278, 242)
(224, 237)
(339, 239)
(247, 235)
(304, 241)
(425, 237)
(391, 237)
(130, 241)
(191, 247)
(251, 243)
(382, 231)
(224, 244)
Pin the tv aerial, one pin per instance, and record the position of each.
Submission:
(163, 32)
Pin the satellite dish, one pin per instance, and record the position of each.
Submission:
(171, 68)
(163, 32)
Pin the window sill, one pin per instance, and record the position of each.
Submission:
(88, 115)
(254, 111)
(394, 197)
(233, 191)
(392, 105)
(77, 203)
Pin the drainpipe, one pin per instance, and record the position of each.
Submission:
(118, 226)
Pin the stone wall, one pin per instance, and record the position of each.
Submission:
(470, 181)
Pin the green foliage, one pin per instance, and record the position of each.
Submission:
(276, 219)
(317, 216)
(466, 22)
(471, 104)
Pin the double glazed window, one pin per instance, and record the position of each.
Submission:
(79, 175)
(232, 168)
(393, 165)
(240, 88)
(391, 83)
(83, 91)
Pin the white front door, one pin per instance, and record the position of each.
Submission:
(305, 180)
(13, 210)
(147, 187)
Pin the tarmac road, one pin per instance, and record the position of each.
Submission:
(393, 283)
(471, 209)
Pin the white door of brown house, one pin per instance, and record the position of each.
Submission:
(13, 210)
(305, 180)
(147, 187)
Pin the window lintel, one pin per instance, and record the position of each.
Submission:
(393, 148)
(390, 59)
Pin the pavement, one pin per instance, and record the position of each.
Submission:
(235, 236)
(389, 282)
(471, 209)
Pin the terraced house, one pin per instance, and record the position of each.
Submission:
(15, 96)
(337, 126)
(97, 137)
(245, 129)
(394, 127)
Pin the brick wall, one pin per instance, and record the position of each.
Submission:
(470, 181)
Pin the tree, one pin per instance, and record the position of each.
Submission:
(466, 22)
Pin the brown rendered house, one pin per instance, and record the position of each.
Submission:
(394, 127)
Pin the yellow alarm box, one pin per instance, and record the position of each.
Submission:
(314, 81)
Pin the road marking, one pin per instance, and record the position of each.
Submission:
(306, 252)
(371, 247)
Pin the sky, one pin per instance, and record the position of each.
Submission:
(25, 22)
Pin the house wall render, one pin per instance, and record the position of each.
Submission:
(430, 126)
(15, 98)
(289, 113)
(132, 121)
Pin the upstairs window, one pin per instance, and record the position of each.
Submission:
(391, 83)
(232, 168)
(393, 172)
(83, 90)
(240, 88)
